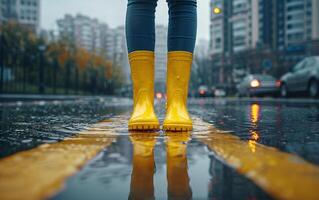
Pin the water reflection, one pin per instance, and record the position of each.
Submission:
(254, 113)
(225, 183)
(142, 183)
(118, 174)
(24, 125)
(254, 133)
(177, 175)
(142, 186)
(253, 141)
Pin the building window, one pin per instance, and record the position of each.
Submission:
(296, 36)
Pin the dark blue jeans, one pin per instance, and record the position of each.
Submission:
(140, 25)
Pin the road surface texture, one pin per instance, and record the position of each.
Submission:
(81, 149)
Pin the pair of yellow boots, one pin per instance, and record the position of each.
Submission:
(178, 73)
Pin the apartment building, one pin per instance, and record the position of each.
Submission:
(246, 34)
(26, 12)
(160, 58)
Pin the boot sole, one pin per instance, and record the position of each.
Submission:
(177, 127)
(143, 127)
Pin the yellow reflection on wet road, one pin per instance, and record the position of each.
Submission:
(254, 113)
(254, 135)
(142, 186)
(40, 172)
(252, 142)
(177, 175)
(282, 175)
(254, 119)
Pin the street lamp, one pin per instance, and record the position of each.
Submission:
(41, 49)
(217, 10)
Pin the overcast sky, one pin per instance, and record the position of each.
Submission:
(112, 12)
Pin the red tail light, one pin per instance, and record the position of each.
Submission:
(202, 92)
(278, 83)
(159, 95)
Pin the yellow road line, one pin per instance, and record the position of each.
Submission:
(282, 175)
(40, 172)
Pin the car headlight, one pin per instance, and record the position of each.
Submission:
(255, 83)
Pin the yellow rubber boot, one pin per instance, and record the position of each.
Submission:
(178, 74)
(142, 74)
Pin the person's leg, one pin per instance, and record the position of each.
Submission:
(182, 26)
(140, 25)
(181, 42)
(140, 33)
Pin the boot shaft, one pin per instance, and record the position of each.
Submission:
(142, 73)
(178, 75)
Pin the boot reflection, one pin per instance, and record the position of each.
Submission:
(142, 186)
(177, 176)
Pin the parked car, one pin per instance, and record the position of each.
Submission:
(304, 77)
(203, 91)
(257, 84)
(159, 95)
(219, 92)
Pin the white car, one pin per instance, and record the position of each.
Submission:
(257, 85)
(304, 77)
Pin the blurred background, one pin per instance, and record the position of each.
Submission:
(244, 48)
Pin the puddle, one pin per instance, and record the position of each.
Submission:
(159, 166)
(152, 166)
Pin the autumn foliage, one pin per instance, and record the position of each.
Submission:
(66, 66)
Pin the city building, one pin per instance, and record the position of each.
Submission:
(289, 29)
(244, 21)
(26, 12)
(202, 71)
(271, 24)
(48, 35)
(116, 44)
(116, 49)
(315, 19)
(219, 28)
(160, 58)
(81, 31)
(261, 36)
(235, 28)
(302, 20)
(96, 37)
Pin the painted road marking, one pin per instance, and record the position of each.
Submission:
(282, 175)
(40, 172)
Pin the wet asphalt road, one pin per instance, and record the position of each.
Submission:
(290, 126)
